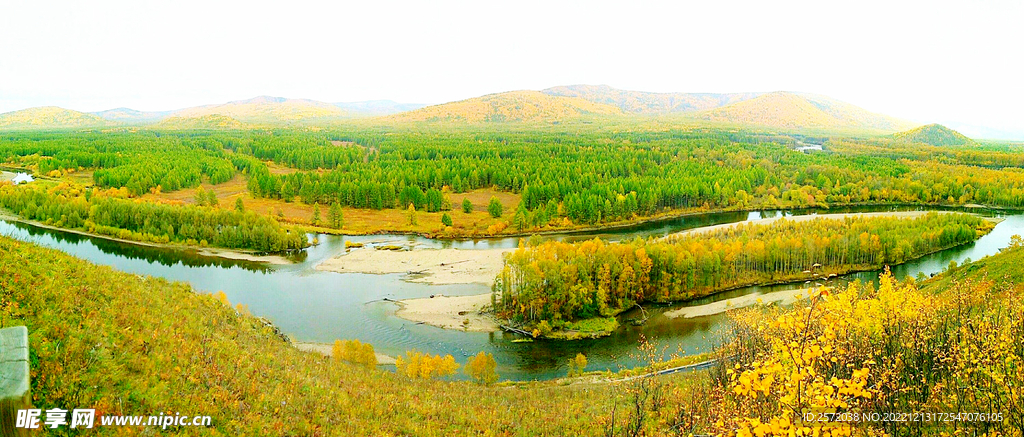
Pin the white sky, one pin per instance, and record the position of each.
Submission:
(925, 61)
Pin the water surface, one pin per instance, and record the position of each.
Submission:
(317, 306)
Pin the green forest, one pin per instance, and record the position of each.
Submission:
(550, 284)
(70, 206)
(579, 174)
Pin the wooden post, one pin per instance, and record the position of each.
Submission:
(14, 379)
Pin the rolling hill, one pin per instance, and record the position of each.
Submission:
(793, 110)
(49, 117)
(265, 109)
(933, 134)
(641, 102)
(513, 106)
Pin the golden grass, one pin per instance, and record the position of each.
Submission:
(356, 221)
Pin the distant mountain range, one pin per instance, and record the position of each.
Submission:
(129, 115)
(641, 102)
(513, 106)
(775, 109)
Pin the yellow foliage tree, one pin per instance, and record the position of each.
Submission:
(481, 367)
(577, 364)
(354, 351)
(425, 366)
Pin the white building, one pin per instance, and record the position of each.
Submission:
(22, 178)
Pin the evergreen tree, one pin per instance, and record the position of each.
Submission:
(520, 220)
(239, 206)
(200, 196)
(446, 220)
(467, 206)
(335, 216)
(495, 207)
(316, 213)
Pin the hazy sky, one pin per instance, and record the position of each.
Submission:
(925, 61)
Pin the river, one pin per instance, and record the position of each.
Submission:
(318, 306)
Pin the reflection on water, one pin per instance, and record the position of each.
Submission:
(164, 256)
(320, 306)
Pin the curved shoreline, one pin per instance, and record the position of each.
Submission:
(326, 350)
(463, 313)
(430, 266)
(217, 252)
(809, 217)
(672, 215)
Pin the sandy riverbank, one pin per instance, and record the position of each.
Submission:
(325, 349)
(218, 252)
(450, 312)
(431, 266)
(784, 297)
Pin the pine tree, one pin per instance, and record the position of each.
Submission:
(316, 213)
(335, 216)
(239, 206)
(495, 207)
(520, 221)
(200, 197)
(467, 206)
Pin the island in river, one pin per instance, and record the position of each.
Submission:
(472, 313)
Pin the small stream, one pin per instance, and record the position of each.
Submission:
(316, 306)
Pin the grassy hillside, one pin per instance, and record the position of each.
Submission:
(266, 109)
(641, 102)
(49, 117)
(792, 110)
(127, 344)
(511, 106)
(933, 134)
(1003, 267)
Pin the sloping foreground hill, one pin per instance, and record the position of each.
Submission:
(127, 344)
(642, 102)
(933, 134)
(792, 110)
(510, 106)
(49, 117)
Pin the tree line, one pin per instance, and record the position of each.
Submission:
(102, 212)
(583, 175)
